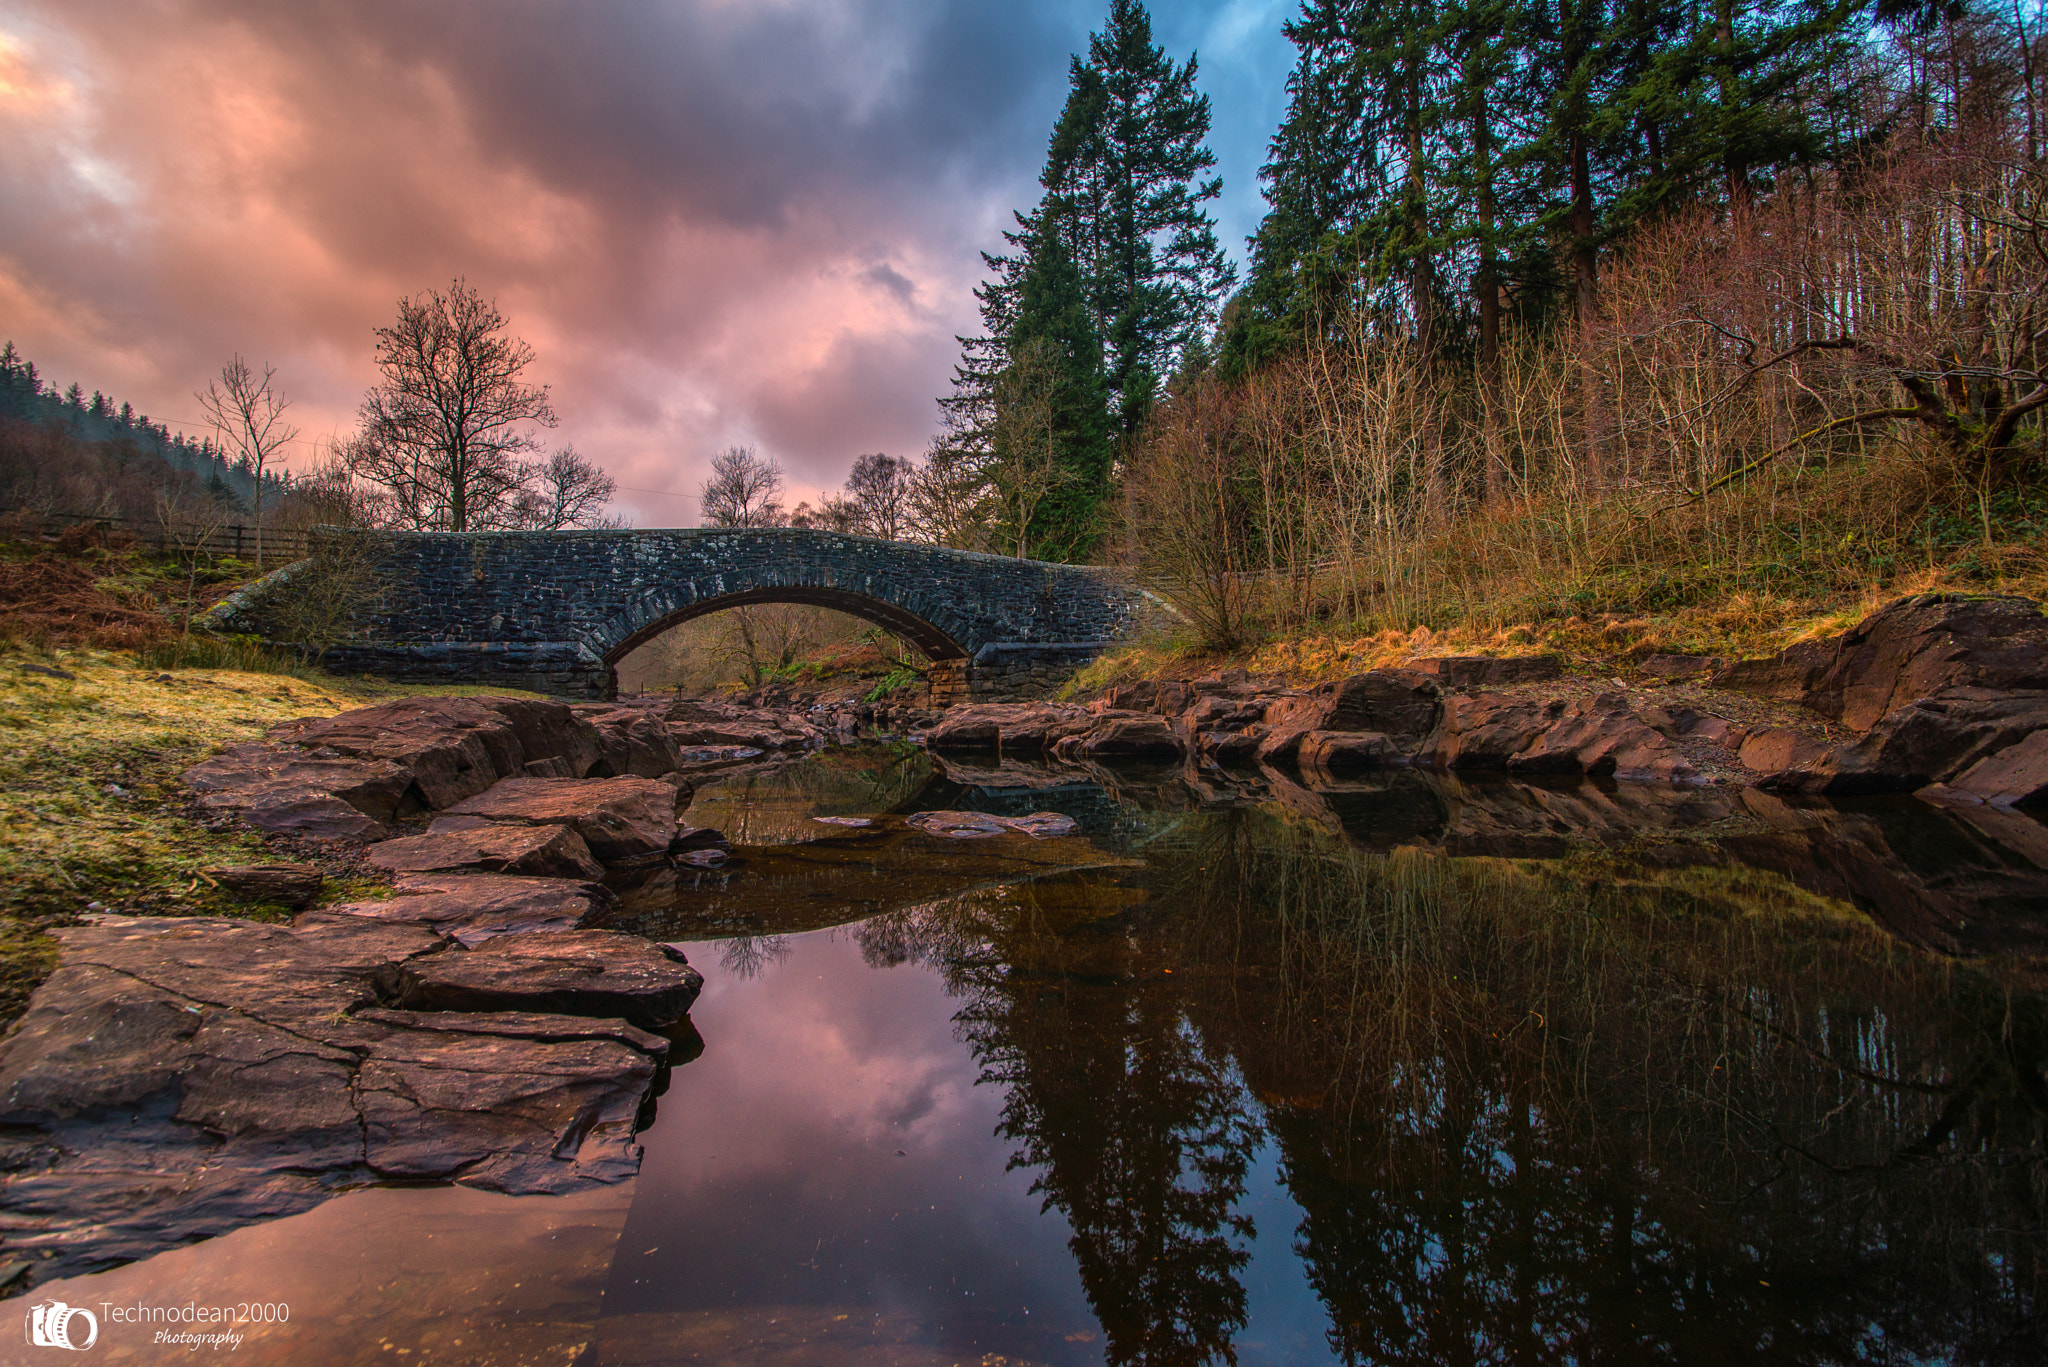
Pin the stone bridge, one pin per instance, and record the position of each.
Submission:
(554, 612)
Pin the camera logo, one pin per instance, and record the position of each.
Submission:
(54, 1324)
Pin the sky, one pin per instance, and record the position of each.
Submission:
(717, 222)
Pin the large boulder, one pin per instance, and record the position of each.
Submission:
(1488, 671)
(473, 844)
(618, 818)
(571, 972)
(455, 747)
(1125, 735)
(1486, 730)
(632, 742)
(474, 907)
(1966, 738)
(1019, 727)
(260, 774)
(1601, 735)
(176, 1078)
(1908, 650)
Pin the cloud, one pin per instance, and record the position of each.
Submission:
(715, 221)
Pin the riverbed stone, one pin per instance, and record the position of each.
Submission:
(576, 972)
(632, 742)
(617, 818)
(475, 907)
(1912, 649)
(178, 1077)
(262, 775)
(474, 843)
(455, 747)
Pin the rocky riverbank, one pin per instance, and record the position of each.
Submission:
(1943, 696)
(178, 1076)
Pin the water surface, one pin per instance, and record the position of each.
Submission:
(1404, 1072)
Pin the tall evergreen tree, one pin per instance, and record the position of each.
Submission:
(1122, 183)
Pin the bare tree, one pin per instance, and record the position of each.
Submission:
(565, 491)
(833, 514)
(190, 519)
(879, 488)
(444, 429)
(745, 490)
(247, 414)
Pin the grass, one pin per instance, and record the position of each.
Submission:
(89, 792)
(1738, 625)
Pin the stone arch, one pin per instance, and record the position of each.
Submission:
(661, 611)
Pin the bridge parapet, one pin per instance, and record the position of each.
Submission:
(554, 612)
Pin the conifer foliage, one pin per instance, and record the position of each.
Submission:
(1112, 281)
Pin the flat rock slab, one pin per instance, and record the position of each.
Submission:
(177, 1078)
(474, 844)
(618, 818)
(455, 747)
(473, 908)
(981, 825)
(582, 972)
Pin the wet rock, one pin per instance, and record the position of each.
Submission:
(981, 825)
(1216, 712)
(295, 885)
(473, 843)
(1487, 730)
(708, 758)
(1928, 741)
(1486, 671)
(617, 818)
(1912, 649)
(176, 1078)
(1128, 735)
(697, 838)
(957, 825)
(1280, 743)
(473, 908)
(632, 742)
(697, 722)
(1023, 727)
(1600, 736)
(2012, 777)
(1604, 736)
(455, 747)
(1780, 748)
(1230, 747)
(1338, 751)
(575, 973)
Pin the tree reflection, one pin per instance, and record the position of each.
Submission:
(1557, 1112)
(1139, 1131)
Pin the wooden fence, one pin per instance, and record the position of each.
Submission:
(214, 540)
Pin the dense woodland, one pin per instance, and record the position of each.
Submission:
(1557, 307)
(68, 453)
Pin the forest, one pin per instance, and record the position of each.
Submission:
(1558, 309)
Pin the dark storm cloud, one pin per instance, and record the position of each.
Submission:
(717, 222)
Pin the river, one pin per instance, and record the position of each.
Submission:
(1254, 1077)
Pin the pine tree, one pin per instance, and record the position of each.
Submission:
(1051, 440)
(1123, 175)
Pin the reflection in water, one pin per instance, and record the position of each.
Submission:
(1406, 1070)
(1529, 1113)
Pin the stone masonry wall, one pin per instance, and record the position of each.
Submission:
(552, 611)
